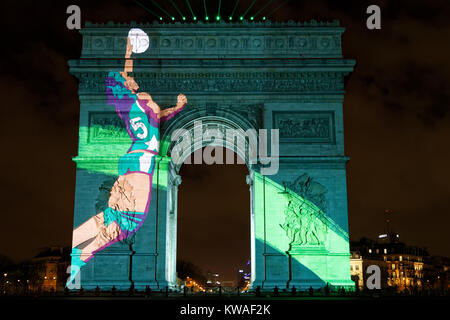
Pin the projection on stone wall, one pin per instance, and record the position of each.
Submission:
(130, 195)
(247, 80)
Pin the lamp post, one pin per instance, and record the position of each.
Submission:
(4, 283)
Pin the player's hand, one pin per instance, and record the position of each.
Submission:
(181, 99)
(129, 49)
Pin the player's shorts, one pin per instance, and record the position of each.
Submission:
(137, 162)
(128, 221)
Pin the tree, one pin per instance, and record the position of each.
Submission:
(188, 269)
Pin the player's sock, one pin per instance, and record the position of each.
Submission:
(76, 265)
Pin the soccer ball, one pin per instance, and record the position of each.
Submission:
(139, 40)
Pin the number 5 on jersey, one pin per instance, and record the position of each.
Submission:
(137, 124)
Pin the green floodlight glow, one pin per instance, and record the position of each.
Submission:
(259, 11)
(248, 9)
(206, 11)
(272, 199)
(173, 18)
(218, 10)
(115, 144)
(160, 18)
(184, 18)
(176, 8)
(230, 18)
(276, 9)
(190, 9)
(251, 18)
(241, 18)
(147, 9)
(157, 5)
(234, 9)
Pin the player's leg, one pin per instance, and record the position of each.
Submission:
(106, 236)
(141, 185)
(130, 198)
(87, 230)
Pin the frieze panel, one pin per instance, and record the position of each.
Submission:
(254, 39)
(224, 82)
(305, 126)
(106, 127)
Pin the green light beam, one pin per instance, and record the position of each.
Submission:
(273, 11)
(190, 8)
(218, 10)
(206, 12)
(234, 9)
(265, 6)
(147, 9)
(176, 8)
(246, 11)
(168, 14)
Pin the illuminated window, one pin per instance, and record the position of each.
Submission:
(400, 258)
(385, 250)
(370, 250)
(393, 266)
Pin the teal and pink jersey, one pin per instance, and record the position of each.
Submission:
(142, 125)
(141, 122)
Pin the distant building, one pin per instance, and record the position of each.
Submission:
(436, 273)
(356, 269)
(212, 280)
(51, 265)
(243, 275)
(227, 284)
(47, 271)
(402, 266)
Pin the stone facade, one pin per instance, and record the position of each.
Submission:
(242, 76)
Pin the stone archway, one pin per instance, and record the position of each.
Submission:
(259, 75)
(208, 123)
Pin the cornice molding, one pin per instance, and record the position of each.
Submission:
(202, 40)
(210, 82)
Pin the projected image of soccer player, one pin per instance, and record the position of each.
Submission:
(131, 193)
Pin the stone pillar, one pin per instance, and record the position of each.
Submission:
(150, 261)
(172, 215)
(249, 179)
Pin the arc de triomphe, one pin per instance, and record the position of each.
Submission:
(285, 76)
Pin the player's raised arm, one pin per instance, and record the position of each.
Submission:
(119, 86)
(128, 61)
(169, 113)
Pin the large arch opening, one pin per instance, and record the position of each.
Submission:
(194, 135)
(213, 225)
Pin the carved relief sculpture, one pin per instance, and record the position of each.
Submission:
(303, 223)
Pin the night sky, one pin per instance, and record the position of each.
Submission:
(396, 115)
